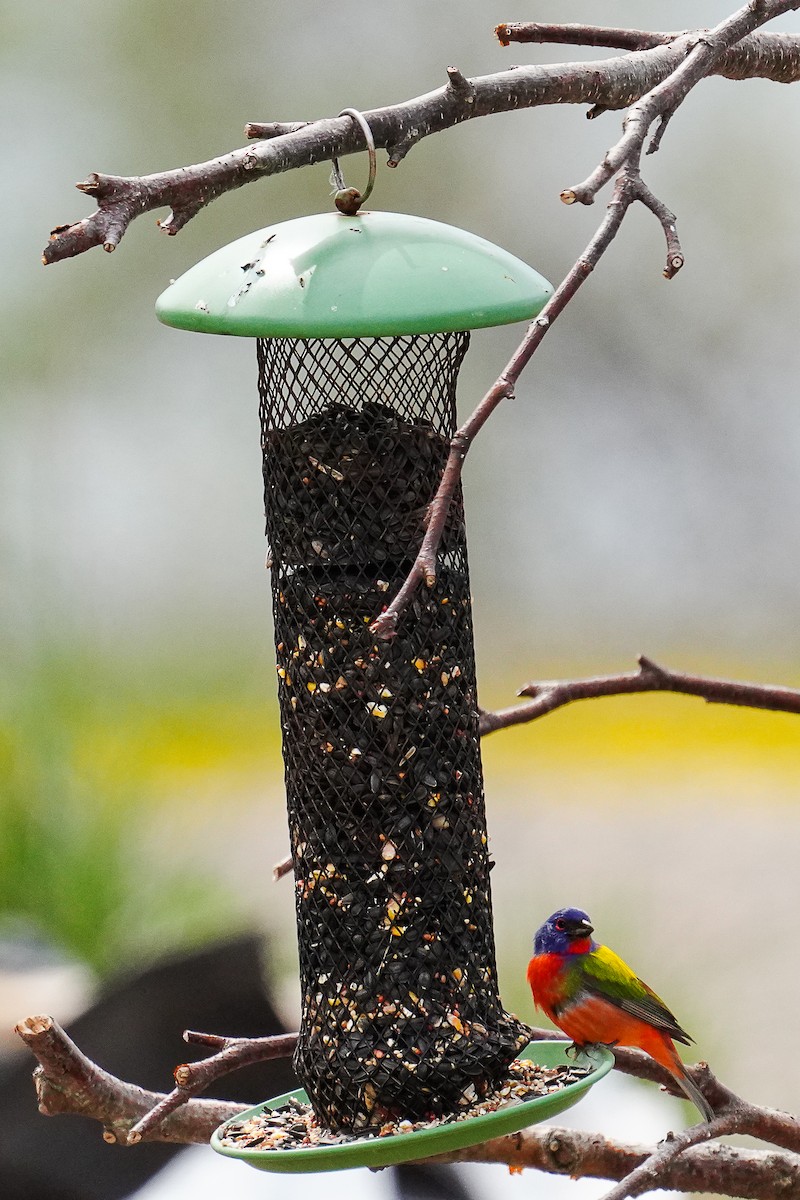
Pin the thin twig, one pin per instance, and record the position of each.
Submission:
(424, 566)
(193, 1078)
(668, 221)
(551, 694)
(707, 48)
(546, 696)
(284, 867)
(629, 187)
(648, 1172)
(262, 131)
(581, 35)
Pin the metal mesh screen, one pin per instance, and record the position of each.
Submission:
(401, 1012)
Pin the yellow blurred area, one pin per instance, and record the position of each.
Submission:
(167, 751)
(640, 741)
(617, 743)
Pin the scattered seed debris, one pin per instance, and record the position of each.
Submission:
(293, 1126)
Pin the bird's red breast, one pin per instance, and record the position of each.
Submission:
(546, 980)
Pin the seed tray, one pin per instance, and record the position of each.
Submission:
(560, 1082)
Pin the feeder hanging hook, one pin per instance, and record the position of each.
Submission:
(349, 200)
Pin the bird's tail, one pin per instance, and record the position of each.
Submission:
(692, 1091)
(664, 1052)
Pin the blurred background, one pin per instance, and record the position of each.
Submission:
(641, 494)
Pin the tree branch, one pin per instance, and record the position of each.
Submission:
(721, 1170)
(424, 566)
(612, 83)
(708, 47)
(777, 52)
(193, 1078)
(581, 35)
(650, 677)
(629, 188)
(552, 694)
(702, 55)
(68, 1082)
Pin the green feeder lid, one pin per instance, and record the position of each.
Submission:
(331, 276)
(437, 1138)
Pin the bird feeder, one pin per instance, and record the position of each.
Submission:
(362, 323)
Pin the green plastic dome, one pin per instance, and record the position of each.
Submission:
(331, 276)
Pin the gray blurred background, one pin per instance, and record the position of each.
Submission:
(641, 494)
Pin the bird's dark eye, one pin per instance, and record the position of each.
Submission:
(560, 925)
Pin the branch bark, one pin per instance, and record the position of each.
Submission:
(68, 1082)
(779, 50)
(718, 1169)
(424, 566)
(551, 694)
(706, 50)
(613, 83)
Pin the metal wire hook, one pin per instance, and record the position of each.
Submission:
(349, 200)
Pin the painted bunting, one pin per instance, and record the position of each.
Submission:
(589, 992)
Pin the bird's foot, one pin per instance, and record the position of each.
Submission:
(586, 1048)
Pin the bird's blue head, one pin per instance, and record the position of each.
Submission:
(568, 931)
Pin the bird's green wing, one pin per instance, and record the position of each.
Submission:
(605, 974)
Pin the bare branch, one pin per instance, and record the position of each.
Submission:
(548, 695)
(68, 1082)
(679, 1161)
(424, 566)
(284, 867)
(551, 694)
(668, 220)
(650, 1172)
(776, 51)
(612, 83)
(722, 1170)
(581, 35)
(193, 1078)
(707, 49)
(704, 51)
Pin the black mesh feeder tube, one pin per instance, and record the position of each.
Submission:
(362, 327)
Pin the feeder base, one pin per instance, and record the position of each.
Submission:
(439, 1137)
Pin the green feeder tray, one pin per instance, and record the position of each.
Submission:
(378, 274)
(437, 1139)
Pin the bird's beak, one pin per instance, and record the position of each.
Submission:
(586, 928)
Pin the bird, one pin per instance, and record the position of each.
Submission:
(594, 997)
